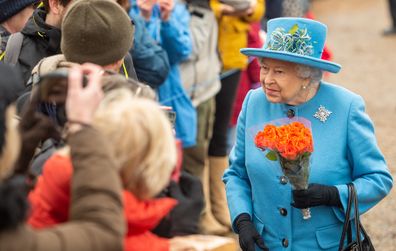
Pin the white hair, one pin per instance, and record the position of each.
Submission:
(142, 139)
(304, 71)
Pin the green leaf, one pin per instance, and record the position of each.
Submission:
(293, 29)
(271, 155)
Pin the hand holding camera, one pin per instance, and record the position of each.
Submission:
(34, 128)
(57, 90)
(81, 102)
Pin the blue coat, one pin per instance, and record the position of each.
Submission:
(345, 150)
(174, 37)
(150, 59)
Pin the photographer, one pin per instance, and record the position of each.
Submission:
(99, 229)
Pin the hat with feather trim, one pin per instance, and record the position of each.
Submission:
(296, 40)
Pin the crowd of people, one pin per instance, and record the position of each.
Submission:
(117, 119)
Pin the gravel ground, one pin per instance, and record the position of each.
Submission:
(369, 64)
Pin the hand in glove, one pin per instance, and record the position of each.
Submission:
(34, 128)
(248, 235)
(184, 218)
(316, 195)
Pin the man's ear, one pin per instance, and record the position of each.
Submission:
(55, 7)
(116, 66)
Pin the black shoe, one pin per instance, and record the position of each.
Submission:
(389, 32)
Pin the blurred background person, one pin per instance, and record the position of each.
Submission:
(167, 21)
(273, 9)
(200, 75)
(150, 60)
(234, 25)
(39, 38)
(250, 79)
(13, 17)
(295, 8)
(392, 11)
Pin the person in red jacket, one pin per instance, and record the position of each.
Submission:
(133, 127)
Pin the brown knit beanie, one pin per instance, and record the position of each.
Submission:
(96, 31)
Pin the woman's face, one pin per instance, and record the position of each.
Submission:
(280, 82)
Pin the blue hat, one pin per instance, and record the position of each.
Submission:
(9, 8)
(297, 40)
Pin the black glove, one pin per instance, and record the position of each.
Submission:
(13, 202)
(34, 128)
(184, 218)
(248, 235)
(316, 195)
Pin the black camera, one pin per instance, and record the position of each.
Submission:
(52, 94)
(170, 114)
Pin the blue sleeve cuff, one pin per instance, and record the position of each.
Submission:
(340, 212)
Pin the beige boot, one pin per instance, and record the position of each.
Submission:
(217, 166)
(208, 223)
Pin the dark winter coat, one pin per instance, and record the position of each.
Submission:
(40, 40)
(149, 58)
(4, 35)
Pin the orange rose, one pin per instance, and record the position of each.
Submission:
(290, 141)
(266, 138)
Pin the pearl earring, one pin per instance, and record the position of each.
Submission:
(304, 87)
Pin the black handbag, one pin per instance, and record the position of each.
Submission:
(358, 244)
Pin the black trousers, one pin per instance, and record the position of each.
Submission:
(224, 106)
(392, 9)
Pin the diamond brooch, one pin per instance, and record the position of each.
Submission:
(322, 114)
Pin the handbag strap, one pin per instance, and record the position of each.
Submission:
(361, 229)
(347, 220)
(357, 216)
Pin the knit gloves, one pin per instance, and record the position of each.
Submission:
(316, 195)
(248, 235)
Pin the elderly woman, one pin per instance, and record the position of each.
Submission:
(345, 148)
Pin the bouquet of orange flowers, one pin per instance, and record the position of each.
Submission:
(292, 145)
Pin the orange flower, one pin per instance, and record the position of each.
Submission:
(266, 138)
(290, 141)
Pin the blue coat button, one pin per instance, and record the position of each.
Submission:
(285, 243)
(290, 113)
(283, 180)
(283, 211)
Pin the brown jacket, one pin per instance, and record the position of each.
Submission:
(96, 213)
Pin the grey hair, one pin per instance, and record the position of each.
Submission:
(304, 71)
